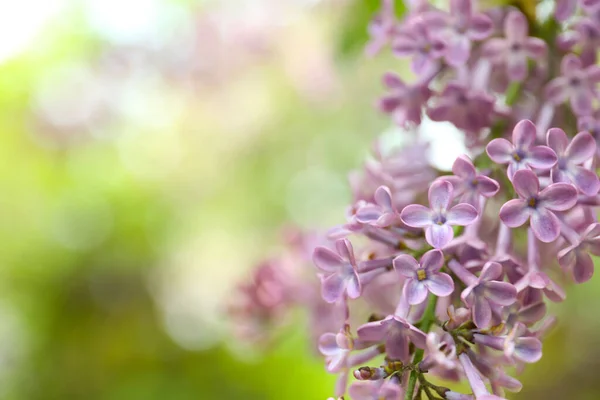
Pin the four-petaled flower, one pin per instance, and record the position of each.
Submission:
(576, 257)
(383, 213)
(517, 48)
(521, 154)
(336, 348)
(515, 345)
(570, 157)
(468, 184)
(396, 332)
(576, 84)
(405, 102)
(424, 277)
(538, 205)
(463, 27)
(417, 41)
(340, 273)
(438, 219)
(485, 291)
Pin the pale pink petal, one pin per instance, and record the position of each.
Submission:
(557, 140)
(526, 183)
(432, 261)
(439, 235)
(502, 293)
(406, 265)
(440, 195)
(327, 260)
(515, 213)
(440, 284)
(559, 196)
(545, 225)
(542, 157)
(500, 150)
(524, 134)
(416, 292)
(461, 214)
(482, 313)
(581, 148)
(416, 216)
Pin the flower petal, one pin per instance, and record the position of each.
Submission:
(583, 270)
(557, 90)
(581, 148)
(526, 183)
(585, 180)
(353, 287)
(440, 284)
(461, 214)
(328, 345)
(514, 213)
(332, 287)
(557, 140)
(558, 197)
(327, 260)
(515, 26)
(490, 272)
(542, 157)
(500, 150)
(463, 167)
(581, 102)
(458, 50)
(569, 63)
(502, 293)
(524, 134)
(372, 331)
(432, 261)
(535, 47)
(482, 312)
(528, 349)
(393, 81)
(440, 194)
(481, 27)
(383, 198)
(406, 265)
(416, 216)
(486, 186)
(416, 292)
(439, 235)
(545, 224)
(344, 249)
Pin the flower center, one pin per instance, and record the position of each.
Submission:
(575, 81)
(439, 219)
(532, 202)
(515, 47)
(421, 275)
(562, 163)
(518, 155)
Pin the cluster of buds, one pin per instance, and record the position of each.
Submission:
(454, 270)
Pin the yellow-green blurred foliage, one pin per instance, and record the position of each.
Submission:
(150, 150)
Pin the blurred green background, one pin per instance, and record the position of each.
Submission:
(150, 151)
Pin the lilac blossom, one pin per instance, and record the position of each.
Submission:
(424, 277)
(405, 102)
(396, 332)
(382, 28)
(517, 48)
(576, 257)
(470, 185)
(438, 219)
(480, 392)
(339, 268)
(521, 153)
(538, 206)
(570, 157)
(485, 291)
(418, 42)
(464, 27)
(514, 345)
(336, 348)
(576, 84)
(466, 108)
(383, 213)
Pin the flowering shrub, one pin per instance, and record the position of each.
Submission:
(447, 276)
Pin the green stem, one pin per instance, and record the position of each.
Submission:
(426, 322)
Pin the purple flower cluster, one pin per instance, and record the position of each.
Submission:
(424, 270)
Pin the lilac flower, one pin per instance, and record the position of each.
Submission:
(585, 36)
(466, 108)
(376, 390)
(438, 219)
(517, 48)
(521, 154)
(340, 271)
(576, 257)
(404, 102)
(515, 345)
(336, 348)
(538, 205)
(424, 277)
(570, 157)
(464, 27)
(485, 291)
(417, 42)
(468, 184)
(396, 332)
(381, 214)
(576, 84)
